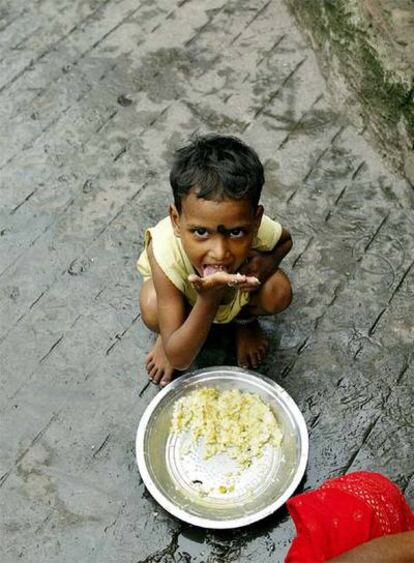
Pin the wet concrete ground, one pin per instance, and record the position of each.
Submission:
(94, 96)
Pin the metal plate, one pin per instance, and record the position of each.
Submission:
(187, 486)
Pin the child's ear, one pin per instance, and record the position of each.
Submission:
(175, 220)
(258, 216)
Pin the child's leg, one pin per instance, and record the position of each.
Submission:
(274, 296)
(156, 362)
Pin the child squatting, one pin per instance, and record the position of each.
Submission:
(214, 259)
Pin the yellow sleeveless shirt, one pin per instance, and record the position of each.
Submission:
(173, 261)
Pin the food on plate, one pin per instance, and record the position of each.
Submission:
(231, 421)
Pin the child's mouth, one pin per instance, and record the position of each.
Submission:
(210, 269)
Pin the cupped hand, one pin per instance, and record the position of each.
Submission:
(220, 280)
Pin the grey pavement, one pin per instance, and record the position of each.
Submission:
(94, 97)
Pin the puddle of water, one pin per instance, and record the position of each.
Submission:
(193, 543)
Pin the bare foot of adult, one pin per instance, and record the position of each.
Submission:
(158, 367)
(251, 345)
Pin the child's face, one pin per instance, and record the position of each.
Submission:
(216, 235)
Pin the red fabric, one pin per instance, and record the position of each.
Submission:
(345, 512)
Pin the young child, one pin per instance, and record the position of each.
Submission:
(215, 259)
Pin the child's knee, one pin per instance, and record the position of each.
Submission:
(148, 305)
(286, 292)
(278, 293)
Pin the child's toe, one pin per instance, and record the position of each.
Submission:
(158, 374)
(153, 372)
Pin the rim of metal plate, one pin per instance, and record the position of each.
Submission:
(206, 522)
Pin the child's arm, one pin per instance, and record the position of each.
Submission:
(264, 264)
(183, 337)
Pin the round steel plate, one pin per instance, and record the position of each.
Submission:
(191, 488)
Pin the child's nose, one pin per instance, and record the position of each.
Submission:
(219, 250)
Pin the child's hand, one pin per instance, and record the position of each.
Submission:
(260, 265)
(218, 282)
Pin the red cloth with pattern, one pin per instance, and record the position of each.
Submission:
(345, 512)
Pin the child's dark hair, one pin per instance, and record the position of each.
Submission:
(217, 167)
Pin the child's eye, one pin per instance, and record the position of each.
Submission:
(237, 233)
(200, 233)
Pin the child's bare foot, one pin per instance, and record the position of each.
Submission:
(158, 367)
(251, 345)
